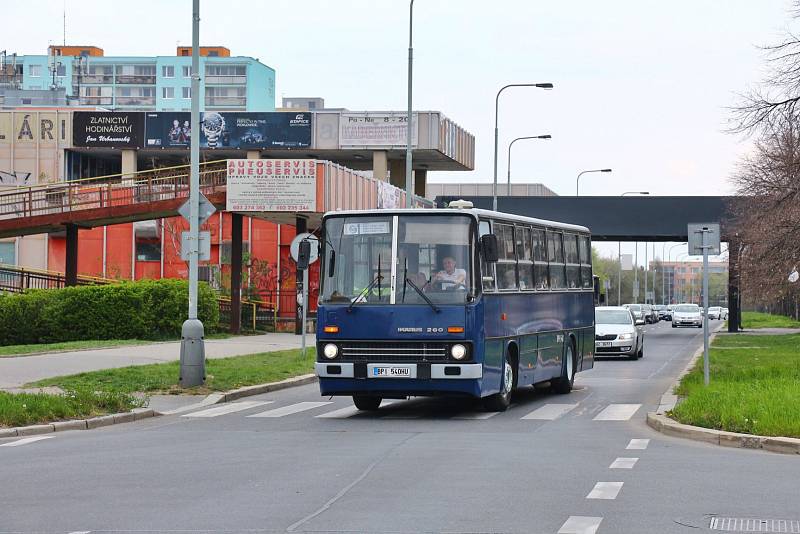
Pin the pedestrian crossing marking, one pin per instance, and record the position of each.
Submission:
(475, 416)
(638, 444)
(291, 409)
(224, 409)
(623, 463)
(25, 441)
(577, 524)
(605, 490)
(550, 412)
(342, 413)
(617, 412)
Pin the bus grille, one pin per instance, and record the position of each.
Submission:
(371, 351)
(606, 337)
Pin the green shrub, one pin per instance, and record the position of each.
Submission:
(148, 309)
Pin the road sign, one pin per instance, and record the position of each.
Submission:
(207, 209)
(697, 231)
(635, 290)
(626, 260)
(294, 248)
(204, 247)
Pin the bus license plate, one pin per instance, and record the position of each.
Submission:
(391, 371)
(603, 343)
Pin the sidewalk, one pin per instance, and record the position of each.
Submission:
(14, 372)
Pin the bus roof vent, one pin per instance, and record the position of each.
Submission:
(460, 204)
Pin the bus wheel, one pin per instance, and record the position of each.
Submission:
(369, 404)
(499, 402)
(565, 382)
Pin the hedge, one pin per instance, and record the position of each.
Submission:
(147, 309)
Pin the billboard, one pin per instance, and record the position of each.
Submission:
(235, 130)
(96, 129)
(375, 129)
(272, 185)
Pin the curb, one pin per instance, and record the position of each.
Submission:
(665, 425)
(247, 391)
(659, 422)
(79, 424)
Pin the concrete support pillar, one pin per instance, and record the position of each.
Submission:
(128, 165)
(71, 263)
(380, 165)
(236, 272)
(420, 181)
(397, 173)
(734, 296)
(300, 227)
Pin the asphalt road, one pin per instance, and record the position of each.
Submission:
(551, 463)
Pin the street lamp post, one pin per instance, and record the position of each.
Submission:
(619, 250)
(496, 133)
(409, 179)
(578, 180)
(669, 255)
(546, 136)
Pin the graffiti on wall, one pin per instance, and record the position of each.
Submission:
(15, 178)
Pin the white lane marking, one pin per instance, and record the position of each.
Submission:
(623, 463)
(605, 490)
(25, 441)
(638, 444)
(475, 416)
(227, 408)
(577, 524)
(550, 412)
(291, 409)
(617, 412)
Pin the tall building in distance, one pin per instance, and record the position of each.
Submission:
(161, 83)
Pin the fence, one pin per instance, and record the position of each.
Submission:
(257, 315)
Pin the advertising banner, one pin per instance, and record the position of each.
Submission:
(376, 129)
(95, 129)
(272, 185)
(237, 130)
(388, 196)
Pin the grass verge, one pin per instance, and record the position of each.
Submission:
(754, 387)
(767, 320)
(23, 409)
(221, 374)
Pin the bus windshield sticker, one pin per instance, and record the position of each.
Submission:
(379, 227)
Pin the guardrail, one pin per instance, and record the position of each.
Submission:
(17, 279)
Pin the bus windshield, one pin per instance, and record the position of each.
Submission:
(433, 259)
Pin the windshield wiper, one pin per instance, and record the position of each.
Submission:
(418, 290)
(376, 280)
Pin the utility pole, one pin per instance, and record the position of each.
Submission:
(193, 354)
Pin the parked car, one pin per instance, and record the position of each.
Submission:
(714, 313)
(687, 315)
(636, 312)
(616, 333)
(650, 315)
(725, 314)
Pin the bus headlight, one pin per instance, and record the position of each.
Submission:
(330, 351)
(458, 352)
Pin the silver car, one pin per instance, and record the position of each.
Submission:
(687, 315)
(616, 333)
(636, 311)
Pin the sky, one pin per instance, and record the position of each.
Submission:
(641, 86)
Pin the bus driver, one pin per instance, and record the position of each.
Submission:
(450, 274)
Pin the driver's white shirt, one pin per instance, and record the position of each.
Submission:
(457, 276)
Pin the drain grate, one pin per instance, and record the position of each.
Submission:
(738, 524)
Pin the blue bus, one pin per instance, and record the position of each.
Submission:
(451, 301)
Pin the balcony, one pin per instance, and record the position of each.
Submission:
(93, 78)
(136, 79)
(136, 101)
(227, 101)
(226, 80)
(97, 101)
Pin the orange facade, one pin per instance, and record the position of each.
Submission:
(72, 50)
(217, 51)
(268, 272)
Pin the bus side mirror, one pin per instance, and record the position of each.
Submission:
(304, 255)
(332, 264)
(489, 248)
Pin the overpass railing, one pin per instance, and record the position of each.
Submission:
(109, 191)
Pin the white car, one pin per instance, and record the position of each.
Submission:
(636, 311)
(687, 315)
(724, 314)
(714, 312)
(616, 334)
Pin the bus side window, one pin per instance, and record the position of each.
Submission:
(585, 249)
(524, 257)
(555, 254)
(507, 263)
(541, 277)
(573, 264)
(487, 269)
